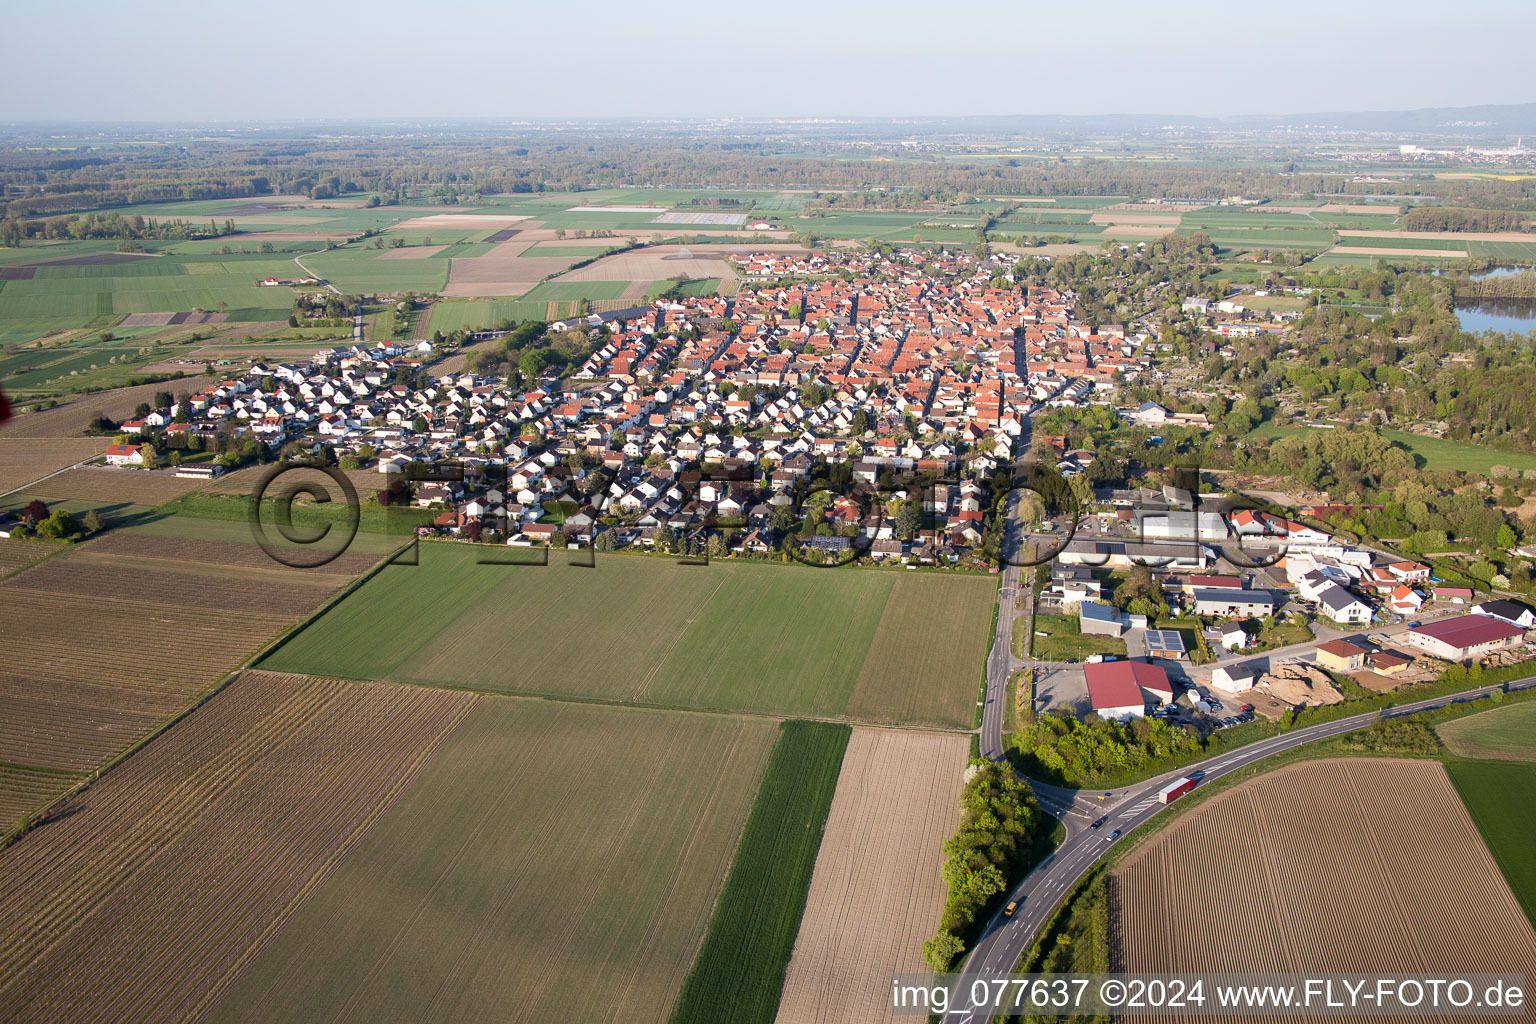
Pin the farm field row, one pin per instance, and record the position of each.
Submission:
(868, 645)
(877, 891)
(739, 974)
(125, 631)
(552, 861)
(246, 803)
(1329, 860)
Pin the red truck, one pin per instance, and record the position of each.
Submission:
(1174, 790)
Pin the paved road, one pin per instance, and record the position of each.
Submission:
(1000, 658)
(1006, 938)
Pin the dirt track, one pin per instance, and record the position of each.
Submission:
(876, 893)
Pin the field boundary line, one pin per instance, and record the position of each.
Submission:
(37, 817)
(614, 702)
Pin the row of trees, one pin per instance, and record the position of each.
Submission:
(1002, 831)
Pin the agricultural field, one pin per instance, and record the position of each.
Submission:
(70, 417)
(94, 923)
(1324, 871)
(126, 631)
(460, 903)
(23, 460)
(877, 893)
(18, 554)
(729, 636)
(1499, 796)
(739, 974)
(134, 486)
(1503, 734)
(477, 315)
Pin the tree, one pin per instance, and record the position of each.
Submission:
(58, 525)
(942, 951)
(34, 512)
(93, 522)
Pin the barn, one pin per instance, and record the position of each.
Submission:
(1465, 637)
(1121, 689)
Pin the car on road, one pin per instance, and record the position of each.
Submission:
(1101, 821)
(1112, 836)
(1071, 661)
(1010, 908)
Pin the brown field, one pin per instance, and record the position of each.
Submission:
(23, 460)
(15, 554)
(146, 894)
(917, 644)
(552, 863)
(1448, 236)
(504, 270)
(876, 893)
(103, 643)
(413, 252)
(1364, 250)
(1133, 219)
(135, 486)
(246, 480)
(468, 221)
(274, 590)
(1349, 865)
(214, 555)
(69, 418)
(652, 264)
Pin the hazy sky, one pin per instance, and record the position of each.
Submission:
(164, 60)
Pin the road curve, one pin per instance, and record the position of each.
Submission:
(1005, 939)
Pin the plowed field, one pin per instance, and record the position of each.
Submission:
(1338, 866)
(144, 895)
(877, 893)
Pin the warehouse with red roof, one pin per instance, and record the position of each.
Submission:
(1465, 637)
(1121, 689)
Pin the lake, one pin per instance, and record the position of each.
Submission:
(1512, 316)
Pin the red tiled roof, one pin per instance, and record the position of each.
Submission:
(1468, 630)
(1118, 684)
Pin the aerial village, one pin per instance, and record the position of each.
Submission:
(744, 426)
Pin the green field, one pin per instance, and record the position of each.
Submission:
(733, 635)
(359, 269)
(1441, 453)
(1437, 452)
(551, 862)
(739, 974)
(1499, 795)
(1064, 639)
(479, 314)
(571, 291)
(1503, 734)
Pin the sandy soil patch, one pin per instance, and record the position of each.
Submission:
(1146, 230)
(1365, 250)
(876, 893)
(1387, 208)
(413, 252)
(1105, 217)
(470, 221)
(1324, 865)
(656, 263)
(1160, 208)
(1449, 236)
